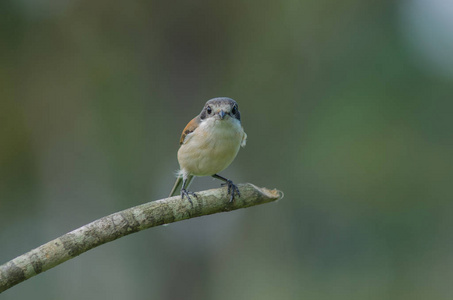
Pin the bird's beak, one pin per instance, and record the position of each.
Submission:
(221, 114)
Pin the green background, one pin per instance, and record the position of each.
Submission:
(348, 110)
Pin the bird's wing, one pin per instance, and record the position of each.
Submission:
(193, 124)
(244, 139)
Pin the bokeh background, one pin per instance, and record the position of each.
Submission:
(348, 110)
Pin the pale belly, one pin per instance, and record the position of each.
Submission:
(210, 149)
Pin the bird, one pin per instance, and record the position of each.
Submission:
(209, 144)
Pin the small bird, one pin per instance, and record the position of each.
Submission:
(208, 145)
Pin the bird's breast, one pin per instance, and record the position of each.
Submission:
(211, 147)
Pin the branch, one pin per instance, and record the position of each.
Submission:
(125, 222)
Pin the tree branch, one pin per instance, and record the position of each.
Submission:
(125, 222)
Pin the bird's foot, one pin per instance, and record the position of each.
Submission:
(187, 193)
(232, 189)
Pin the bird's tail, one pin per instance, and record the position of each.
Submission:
(178, 185)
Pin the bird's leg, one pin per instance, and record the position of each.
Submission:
(232, 188)
(185, 192)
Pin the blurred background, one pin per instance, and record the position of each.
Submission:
(348, 110)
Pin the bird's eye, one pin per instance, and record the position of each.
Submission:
(209, 110)
(234, 110)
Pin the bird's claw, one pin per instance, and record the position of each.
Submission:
(232, 189)
(187, 193)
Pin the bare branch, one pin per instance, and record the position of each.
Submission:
(125, 222)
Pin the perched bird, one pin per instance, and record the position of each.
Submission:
(208, 145)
